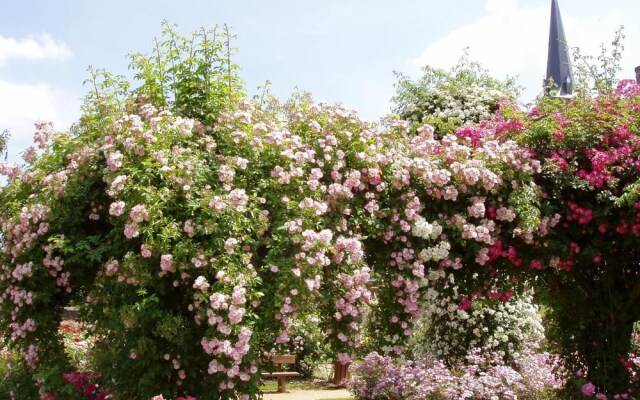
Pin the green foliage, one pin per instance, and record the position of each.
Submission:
(4, 137)
(309, 344)
(194, 76)
(15, 378)
(525, 202)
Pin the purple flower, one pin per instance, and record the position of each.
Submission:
(588, 389)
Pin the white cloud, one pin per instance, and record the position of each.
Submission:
(33, 47)
(512, 40)
(507, 40)
(23, 104)
(498, 6)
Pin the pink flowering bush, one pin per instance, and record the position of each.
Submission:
(589, 149)
(463, 222)
(15, 378)
(582, 252)
(84, 387)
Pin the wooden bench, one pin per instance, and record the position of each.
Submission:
(279, 360)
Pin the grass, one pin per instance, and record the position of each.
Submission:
(271, 386)
(297, 384)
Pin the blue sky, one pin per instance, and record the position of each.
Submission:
(340, 50)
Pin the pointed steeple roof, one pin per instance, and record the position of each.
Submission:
(558, 60)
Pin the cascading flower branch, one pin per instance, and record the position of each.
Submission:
(460, 204)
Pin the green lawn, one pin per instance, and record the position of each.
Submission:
(271, 386)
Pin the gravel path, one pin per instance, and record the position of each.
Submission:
(308, 395)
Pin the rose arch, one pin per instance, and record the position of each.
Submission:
(193, 226)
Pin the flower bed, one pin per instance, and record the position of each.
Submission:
(483, 376)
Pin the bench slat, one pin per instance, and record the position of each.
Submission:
(278, 374)
(283, 359)
(278, 360)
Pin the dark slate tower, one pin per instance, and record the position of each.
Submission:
(558, 60)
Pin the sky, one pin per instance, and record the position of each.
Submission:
(340, 50)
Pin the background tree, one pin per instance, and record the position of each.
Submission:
(599, 76)
(4, 137)
(466, 94)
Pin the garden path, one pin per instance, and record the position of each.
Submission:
(296, 394)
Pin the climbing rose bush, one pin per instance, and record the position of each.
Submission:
(194, 226)
(589, 276)
(215, 238)
(188, 234)
(463, 222)
(211, 234)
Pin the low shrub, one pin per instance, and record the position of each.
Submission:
(483, 375)
(448, 330)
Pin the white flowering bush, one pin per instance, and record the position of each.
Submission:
(449, 329)
(471, 105)
(465, 95)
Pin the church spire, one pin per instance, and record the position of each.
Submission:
(558, 60)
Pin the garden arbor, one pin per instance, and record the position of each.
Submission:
(193, 227)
